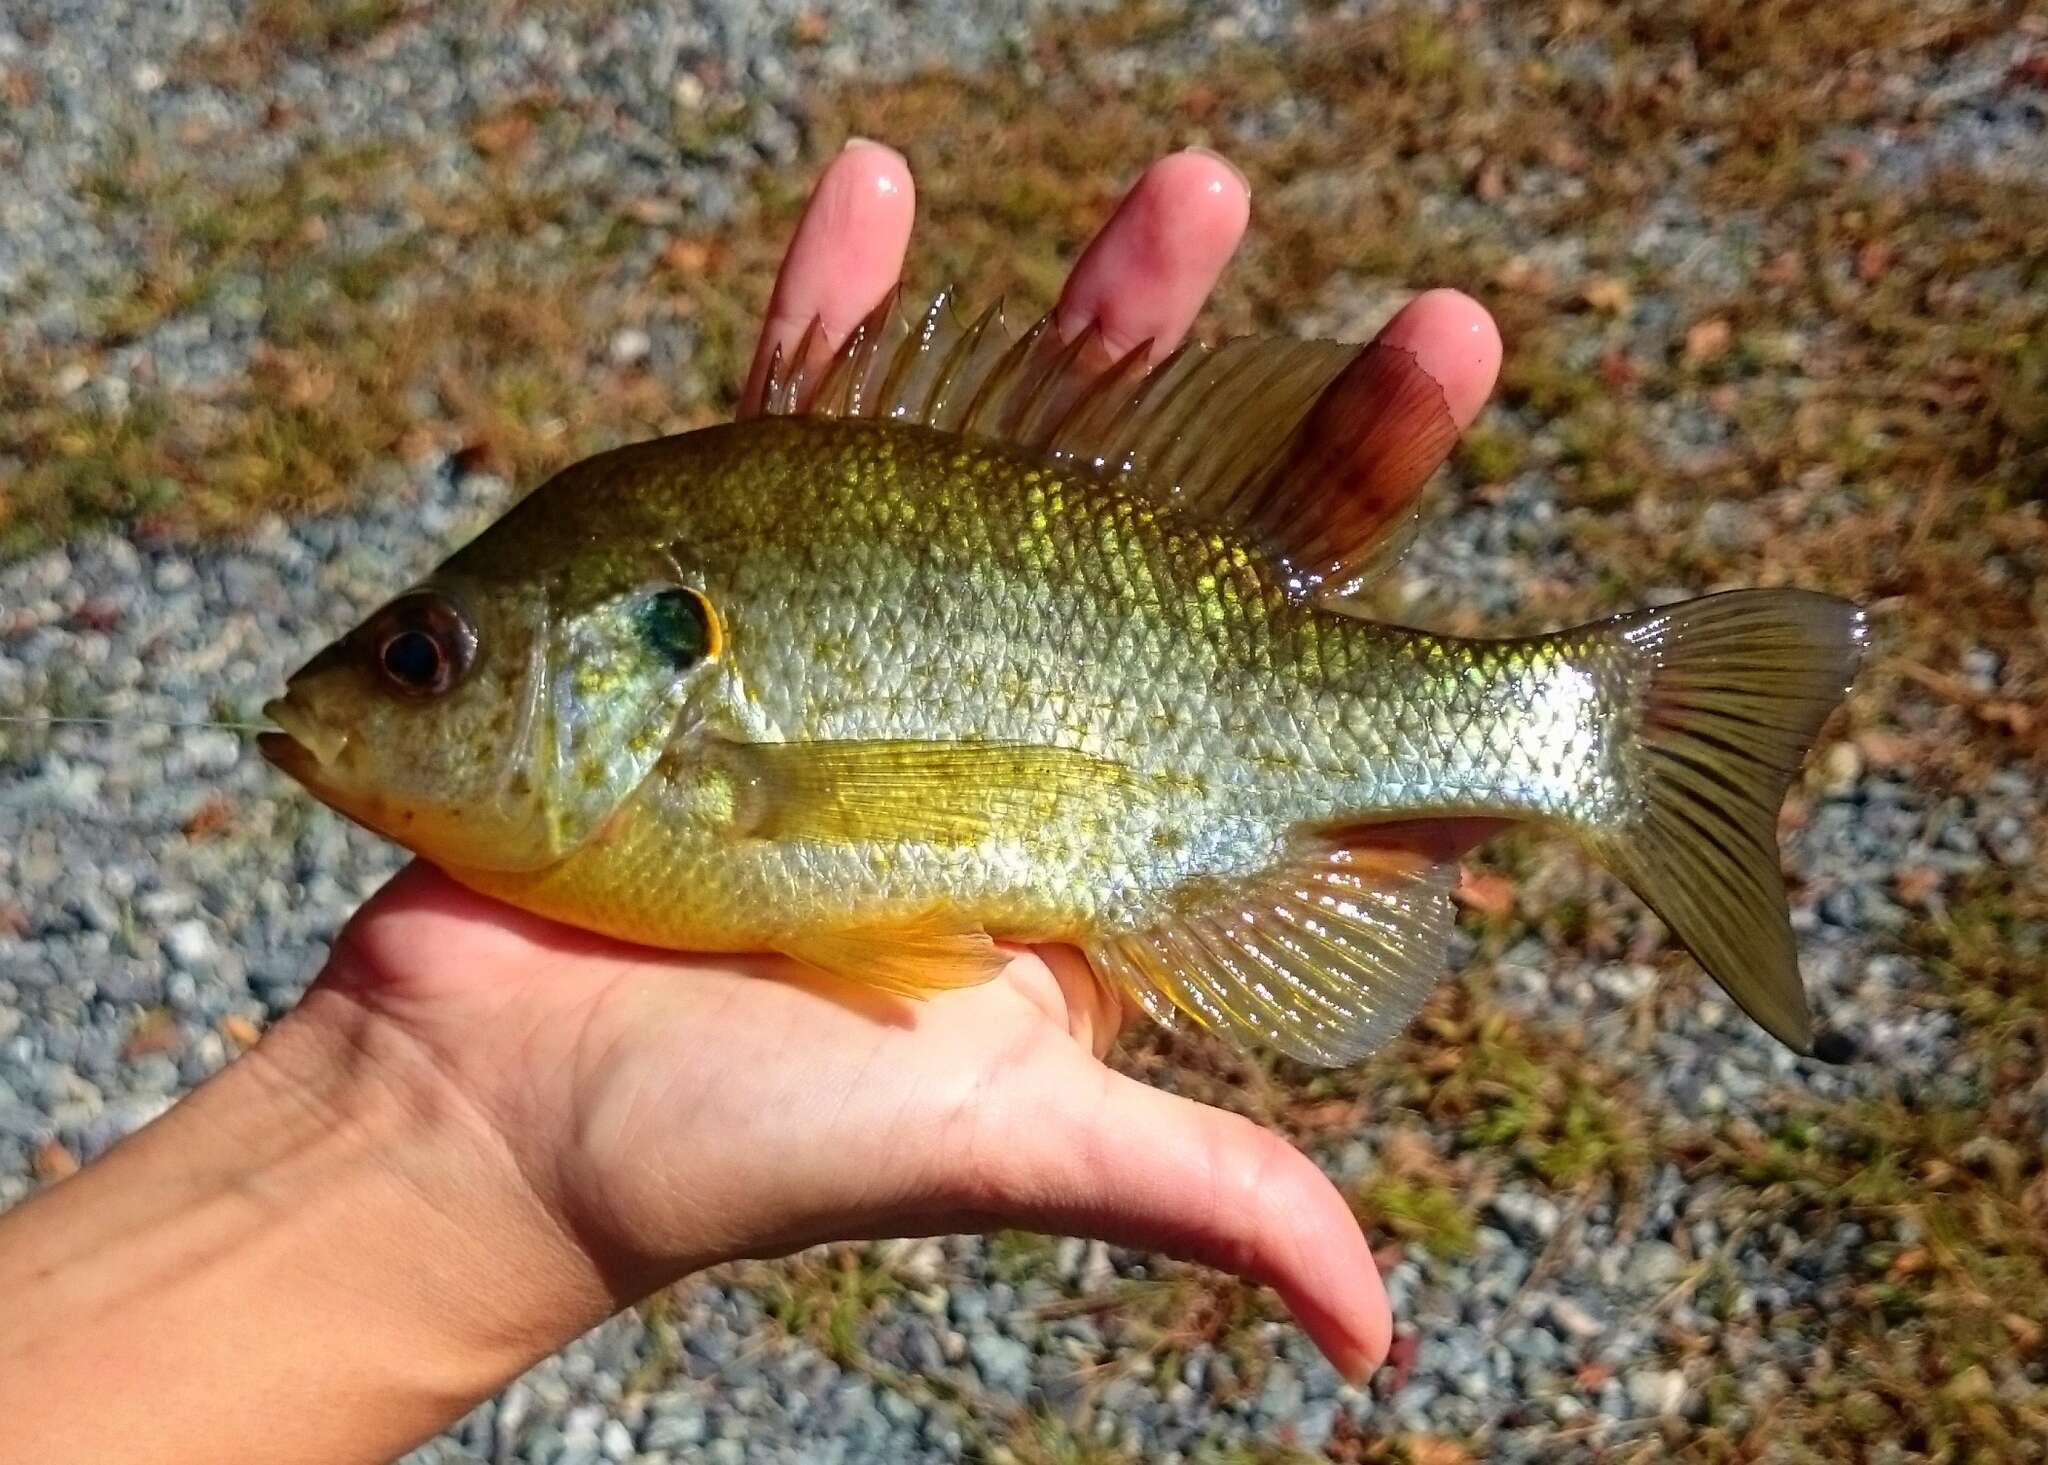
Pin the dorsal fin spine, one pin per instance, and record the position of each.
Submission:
(1002, 382)
(957, 364)
(1058, 391)
(906, 359)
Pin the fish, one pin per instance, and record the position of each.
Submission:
(967, 639)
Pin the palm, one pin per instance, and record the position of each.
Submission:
(809, 1100)
(677, 1111)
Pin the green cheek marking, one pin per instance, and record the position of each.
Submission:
(677, 625)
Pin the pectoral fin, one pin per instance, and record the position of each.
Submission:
(922, 792)
(912, 958)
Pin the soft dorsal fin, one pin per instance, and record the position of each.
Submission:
(1314, 449)
(1324, 958)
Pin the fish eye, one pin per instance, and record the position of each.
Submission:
(424, 644)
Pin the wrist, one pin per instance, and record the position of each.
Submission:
(465, 1240)
(326, 1220)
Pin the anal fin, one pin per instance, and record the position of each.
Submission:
(912, 958)
(1324, 958)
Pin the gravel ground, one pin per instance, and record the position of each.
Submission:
(163, 895)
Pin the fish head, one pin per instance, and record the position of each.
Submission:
(495, 722)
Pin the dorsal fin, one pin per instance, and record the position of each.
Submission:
(1314, 449)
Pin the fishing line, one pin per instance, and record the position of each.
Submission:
(176, 724)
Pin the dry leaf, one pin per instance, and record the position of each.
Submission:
(53, 1162)
(156, 1031)
(503, 134)
(2030, 71)
(1409, 1153)
(1401, 1351)
(1330, 1114)
(1708, 340)
(1524, 277)
(1609, 295)
(2016, 718)
(1483, 891)
(1619, 371)
(1786, 268)
(1917, 885)
(213, 816)
(690, 256)
(1884, 750)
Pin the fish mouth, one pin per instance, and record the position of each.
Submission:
(305, 744)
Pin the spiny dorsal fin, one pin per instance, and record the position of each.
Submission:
(1323, 959)
(1315, 449)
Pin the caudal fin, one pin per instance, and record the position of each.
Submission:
(1734, 689)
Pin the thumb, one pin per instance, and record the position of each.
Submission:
(1098, 1154)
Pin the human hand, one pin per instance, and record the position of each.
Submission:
(661, 1113)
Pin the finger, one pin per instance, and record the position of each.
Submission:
(1145, 276)
(846, 255)
(1102, 1155)
(1453, 339)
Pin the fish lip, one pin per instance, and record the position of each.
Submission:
(304, 744)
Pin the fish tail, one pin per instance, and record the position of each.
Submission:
(1732, 690)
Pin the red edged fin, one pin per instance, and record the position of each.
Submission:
(1352, 473)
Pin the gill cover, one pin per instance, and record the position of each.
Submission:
(608, 689)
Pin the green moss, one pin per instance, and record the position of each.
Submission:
(828, 1300)
(1040, 1438)
(1428, 50)
(1433, 1213)
(1017, 1257)
(1543, 384)
(1494, 455)
(666, 1358)
(1522, 1092)
(1254, 1453)
(315, 27)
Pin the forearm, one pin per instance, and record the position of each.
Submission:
(321, 1255)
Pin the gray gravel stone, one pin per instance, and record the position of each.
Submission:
(1003, 1363)
(189, 944)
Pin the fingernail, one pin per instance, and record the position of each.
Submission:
(1236, 171)
(865, 142)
